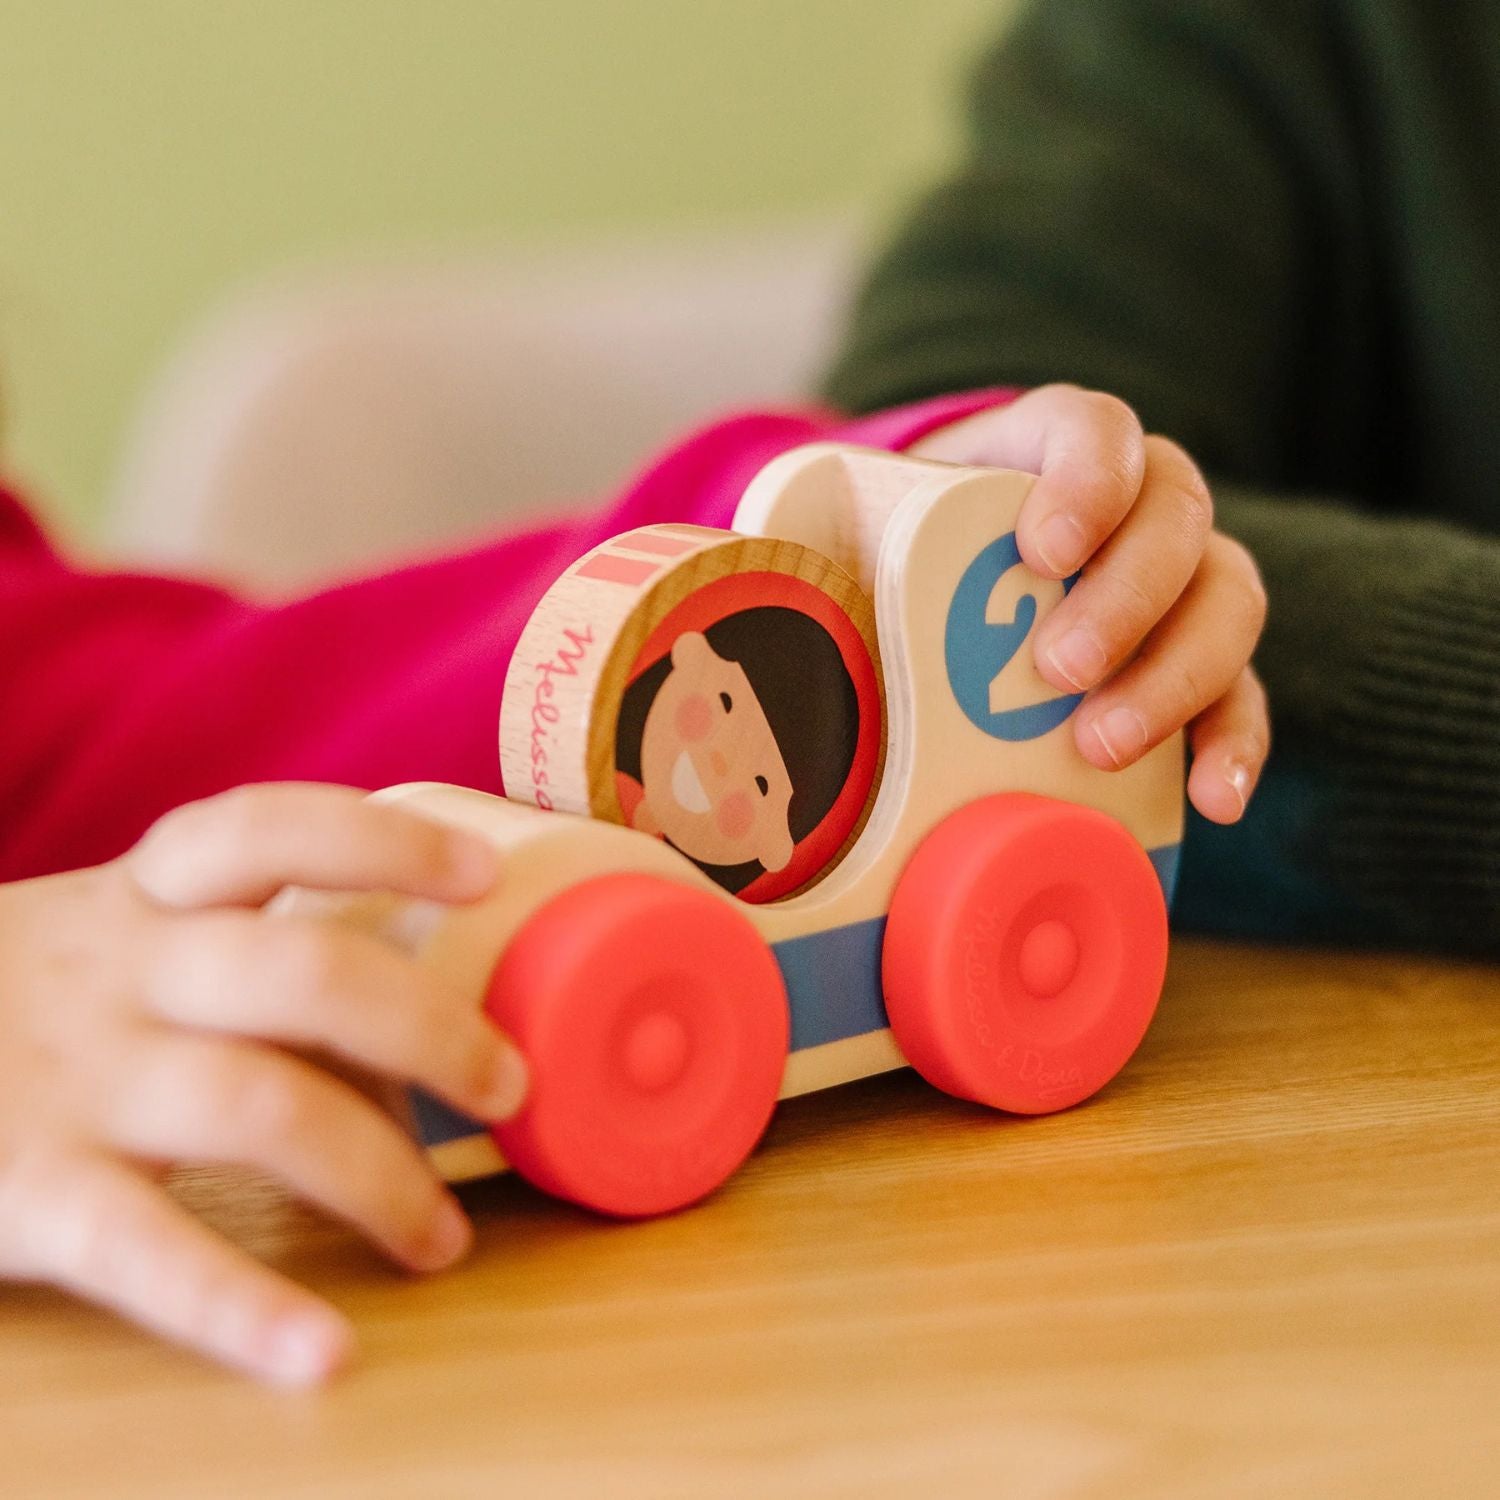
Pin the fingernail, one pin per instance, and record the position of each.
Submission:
(1238, 777)
(447, 1239)
(1078, 658)
(1122, 732)
(473, 862)
(304, 1350)
(504, 1089)
(1060, 543)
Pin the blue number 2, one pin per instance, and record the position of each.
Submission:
(993, 612)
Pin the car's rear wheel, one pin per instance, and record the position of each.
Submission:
(654, 1022)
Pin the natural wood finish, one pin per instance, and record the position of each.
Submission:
(1265, 1261)
(584, 636)
(907, 529)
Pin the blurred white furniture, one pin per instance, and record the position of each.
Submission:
(334, 420)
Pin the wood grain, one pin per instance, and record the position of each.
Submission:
(1265, 1261)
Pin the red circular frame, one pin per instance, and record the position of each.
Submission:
(762, 589)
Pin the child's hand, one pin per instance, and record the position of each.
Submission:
(146, 1008)
(1161, 627)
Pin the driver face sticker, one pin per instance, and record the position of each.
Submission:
(749, 739)
(713, 779)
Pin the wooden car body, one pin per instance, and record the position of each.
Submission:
(966, 717)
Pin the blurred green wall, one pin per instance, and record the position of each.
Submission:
(157, 154)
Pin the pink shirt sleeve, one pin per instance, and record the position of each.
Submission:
(123, 694)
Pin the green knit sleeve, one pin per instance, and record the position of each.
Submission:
(1382, 659)
(1156, 201)
(1127, 215)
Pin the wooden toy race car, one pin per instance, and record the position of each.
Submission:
(763, 836)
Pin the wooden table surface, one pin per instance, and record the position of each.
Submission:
(1266, 1261)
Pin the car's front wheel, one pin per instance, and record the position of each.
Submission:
(1024, 953)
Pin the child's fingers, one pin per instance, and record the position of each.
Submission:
(95, 1227)
(1087, 448)
(1231, 739)
(1187, 662)
(317, 984)
(198, 1099)
(1136, 577)
(244, 845)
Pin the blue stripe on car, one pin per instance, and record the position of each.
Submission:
(832, 985)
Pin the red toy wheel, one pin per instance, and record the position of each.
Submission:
(1024, 953)
(655, 1023)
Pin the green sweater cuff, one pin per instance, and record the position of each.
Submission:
(1382, 658)
(1423, 716)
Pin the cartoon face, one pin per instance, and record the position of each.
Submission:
(748, 733)
(713, 778)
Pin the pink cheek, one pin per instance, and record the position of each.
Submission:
(694, 718)
(735, 816)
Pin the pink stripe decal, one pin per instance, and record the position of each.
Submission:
(651, 541)
(608, 568)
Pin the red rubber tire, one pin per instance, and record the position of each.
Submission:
(655, 1023)
(1024, 953)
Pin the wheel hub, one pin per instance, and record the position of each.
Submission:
(1048, 959)
(656, 1052)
